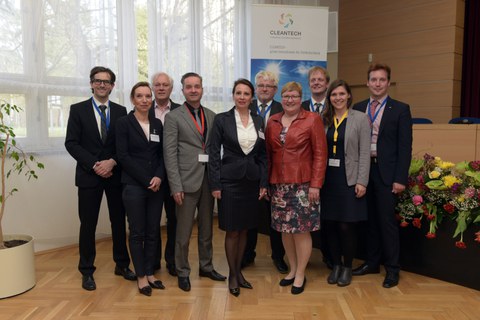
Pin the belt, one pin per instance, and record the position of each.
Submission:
(373, 160)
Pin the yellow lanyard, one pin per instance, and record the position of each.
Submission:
(337, 124)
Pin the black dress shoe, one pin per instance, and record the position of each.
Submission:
(234, 291)
(333, 276)
(184, 283)
(365, 269)
(214, 275)
(146, 291)
(157, 284)
(286, 282)
(126, 273)
(298, 290)
(345, 277)
(172, 270)
(245, 284)
(391, 280)
(280, 265)
(88, 283)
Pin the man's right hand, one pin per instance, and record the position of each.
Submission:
(178, 197)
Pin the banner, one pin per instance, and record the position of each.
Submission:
(288, 41)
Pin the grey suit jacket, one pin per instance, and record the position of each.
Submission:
(357, 148)
(182, 143)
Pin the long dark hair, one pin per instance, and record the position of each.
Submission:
(329, 113)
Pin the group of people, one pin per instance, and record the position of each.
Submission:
(306, 166)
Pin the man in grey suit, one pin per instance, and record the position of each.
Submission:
(186, 133)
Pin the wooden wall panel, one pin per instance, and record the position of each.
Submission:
(422, 41)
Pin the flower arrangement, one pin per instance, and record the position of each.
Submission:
(440, 190)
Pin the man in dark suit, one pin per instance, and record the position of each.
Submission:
(162, 85)
(90, 140)
(186, 134)
(266, 84)
(391, 153)
(318, 80)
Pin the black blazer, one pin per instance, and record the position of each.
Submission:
(276, 107)
(84, 143)
(235, 164)
(141, 158)
(394, 144)
(306, 104)
(173, 106)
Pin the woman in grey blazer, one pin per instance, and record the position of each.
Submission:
(343, 199)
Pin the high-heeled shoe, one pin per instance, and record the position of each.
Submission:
(245, 284)
(286, 282)
(146, 291)
(234, 291)
(298, 290)
(157, 284)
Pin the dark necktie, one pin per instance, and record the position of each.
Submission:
(373, 108)
(318, 107)
(103, 124)
(197, 117)
(263, 106)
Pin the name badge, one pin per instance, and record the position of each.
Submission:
(203, 158)
(334, 162)
(154, 137)
(373, 147)
(261, 135)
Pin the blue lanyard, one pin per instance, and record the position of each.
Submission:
(312, 106)
(372, 120)
(267, 109)
(107, 120)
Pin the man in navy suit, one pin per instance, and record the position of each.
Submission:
(162, 85)
(90, 140)
(266, 84)
(318, 80)
(391, 153)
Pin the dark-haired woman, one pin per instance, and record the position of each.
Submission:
(238, 179)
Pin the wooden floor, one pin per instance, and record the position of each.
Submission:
(58, 294)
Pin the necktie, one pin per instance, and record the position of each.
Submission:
(373, 107)
(103, 124)
(262, 110)
(197, 117)
(318, 107)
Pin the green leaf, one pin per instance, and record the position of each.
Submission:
(436, 185)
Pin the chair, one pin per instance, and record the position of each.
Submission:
(421, 121)
(464, 120)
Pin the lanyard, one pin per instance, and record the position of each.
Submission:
(312, 106)
(372, 120)
(267, 109)
(337, 124)
(102, 117)
(201, 129)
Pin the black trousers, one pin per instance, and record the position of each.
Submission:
(278, 252)
(382, 234)
(89, 201)
(169, 205)
(144, 212)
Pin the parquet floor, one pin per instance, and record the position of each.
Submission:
(58, 294)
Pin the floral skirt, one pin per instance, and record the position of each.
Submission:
(291, 210)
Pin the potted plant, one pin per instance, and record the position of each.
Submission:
(17, 268)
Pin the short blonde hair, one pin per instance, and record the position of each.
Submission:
(292, 86)
(267, 76)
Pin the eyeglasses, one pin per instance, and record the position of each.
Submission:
(265, 86)
(99, 82)
(286, 98)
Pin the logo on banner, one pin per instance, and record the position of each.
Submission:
(286, 20)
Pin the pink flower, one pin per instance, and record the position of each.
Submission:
(417, 200)
(469, 192)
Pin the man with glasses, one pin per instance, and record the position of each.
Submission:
(266, 84)
(90, 140)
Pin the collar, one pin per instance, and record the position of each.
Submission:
(268, 103)
(99, 103)
(169, 104)
(380, 101)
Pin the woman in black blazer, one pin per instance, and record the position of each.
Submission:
(139, 150)
(238, 179)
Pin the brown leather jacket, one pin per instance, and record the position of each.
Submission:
(303, 157)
